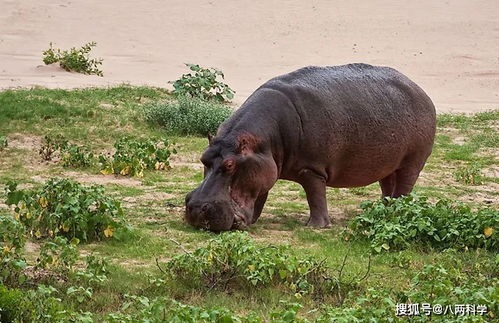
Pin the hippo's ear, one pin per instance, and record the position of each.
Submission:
(247, 143)
(210, 138)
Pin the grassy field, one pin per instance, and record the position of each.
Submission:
(463, 167)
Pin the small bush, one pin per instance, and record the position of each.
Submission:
(3, 142)
(70, 155)
(76, 157)
(203, 84)
(50, 145)
(96, 271)
(58, 254)
(471, 174)
(188, 116)
(391, 224)
(12, 241)
(234, 260)
(133, 156)
(40, 305)
(434, 284)
(63, 207)
(75, 59)
(161, 309)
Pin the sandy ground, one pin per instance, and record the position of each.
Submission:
(450, 48)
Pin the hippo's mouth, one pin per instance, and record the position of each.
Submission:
(239, 216)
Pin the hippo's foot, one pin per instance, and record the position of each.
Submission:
(319, 222)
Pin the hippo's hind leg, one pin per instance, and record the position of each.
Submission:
(259, 203)
(388, 185)
(315, 188)
(406, 176)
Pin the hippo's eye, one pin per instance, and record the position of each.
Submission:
(229, 165)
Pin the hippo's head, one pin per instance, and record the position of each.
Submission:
(236, 172)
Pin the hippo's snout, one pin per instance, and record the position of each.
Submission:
(214, 215)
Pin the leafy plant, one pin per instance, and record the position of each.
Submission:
(71, 155)
(96, 271)
(202, 84)
(188, 116)
(133, 156)
(470, 174)
(50, 145)
(391, 224)
(76, 157)
(80, 294)
(63, 207)
(3, 142)
(232, 259)
(58, 254)
(74, 59)
(12, 241)
(161, 309)
(40, 305)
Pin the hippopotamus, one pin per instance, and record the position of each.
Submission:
(336, 126)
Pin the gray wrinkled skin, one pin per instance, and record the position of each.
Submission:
(337, 126)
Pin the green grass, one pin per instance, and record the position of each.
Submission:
(97, 117)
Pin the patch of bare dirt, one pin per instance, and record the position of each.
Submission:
(187, 158)
(133, 263)
(24, 141)
(491, 171)
(147, 197)
(197, 166)
(38, 275)
(273, 236)
(454, 134)
(104, 179)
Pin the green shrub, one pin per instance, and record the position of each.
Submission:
(70, 155)
(40, 305)
(234, 260)
(75, 59)
(63, 207)
(391, 224)
(202, 84)
(12, 241)
(3, 142)
(434, 284)
(52, 144)
(161, 309)
(133, 156)
(76, 157)
(188, 116)
(470, 174)
(11, 304)
(96, 271)
(58, 254)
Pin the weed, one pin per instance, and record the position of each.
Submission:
(3, 142)
(392, 224)
(75, 59)
(52, 144)
(58, 254)
(12, 241)
(76, 157)
(470, 174)
(188, 116)
(80, 294)
(66, 208)
(203, 84)
(232, 259)
(133, 156)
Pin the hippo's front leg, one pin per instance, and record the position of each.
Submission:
(259, 203)
(314, 185)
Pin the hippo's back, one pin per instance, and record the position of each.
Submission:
(351, 117)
